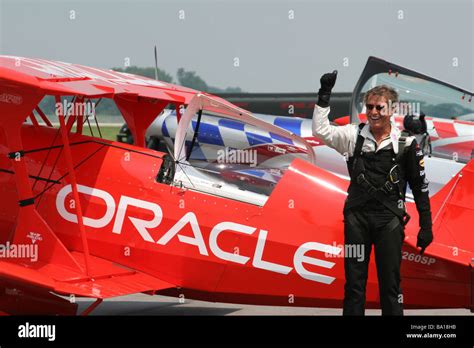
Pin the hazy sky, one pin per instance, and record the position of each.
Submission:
(282, 46)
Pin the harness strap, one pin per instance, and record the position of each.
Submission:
(382, 197)
(394, 223)
(402, 143)
(358, 147)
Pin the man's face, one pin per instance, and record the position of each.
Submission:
(378, 113)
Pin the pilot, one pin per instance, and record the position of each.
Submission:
(381, 160)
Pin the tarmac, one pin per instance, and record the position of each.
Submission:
(142, 304)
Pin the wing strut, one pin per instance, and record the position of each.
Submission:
(178, 112)
(72, 177)
(196, 134)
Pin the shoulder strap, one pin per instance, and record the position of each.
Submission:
(402, 146)
(352, 164)
(359, 141)
(404, 143)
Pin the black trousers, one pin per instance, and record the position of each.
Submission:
(382, 229)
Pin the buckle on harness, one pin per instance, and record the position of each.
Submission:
(393, 175)
(361, 178)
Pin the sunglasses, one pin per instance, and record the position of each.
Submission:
(371, 106)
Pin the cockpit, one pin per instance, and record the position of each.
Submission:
(223, 150)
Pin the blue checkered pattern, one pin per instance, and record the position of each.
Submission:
(216, 133)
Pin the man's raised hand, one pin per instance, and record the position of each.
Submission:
(328, 81)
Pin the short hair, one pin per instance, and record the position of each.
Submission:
(382, 91)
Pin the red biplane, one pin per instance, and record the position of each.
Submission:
(110, 219)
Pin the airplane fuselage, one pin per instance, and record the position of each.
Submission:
(287, 252)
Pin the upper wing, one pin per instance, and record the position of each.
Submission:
(54, 77)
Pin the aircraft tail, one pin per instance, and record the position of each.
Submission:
(452, 210)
